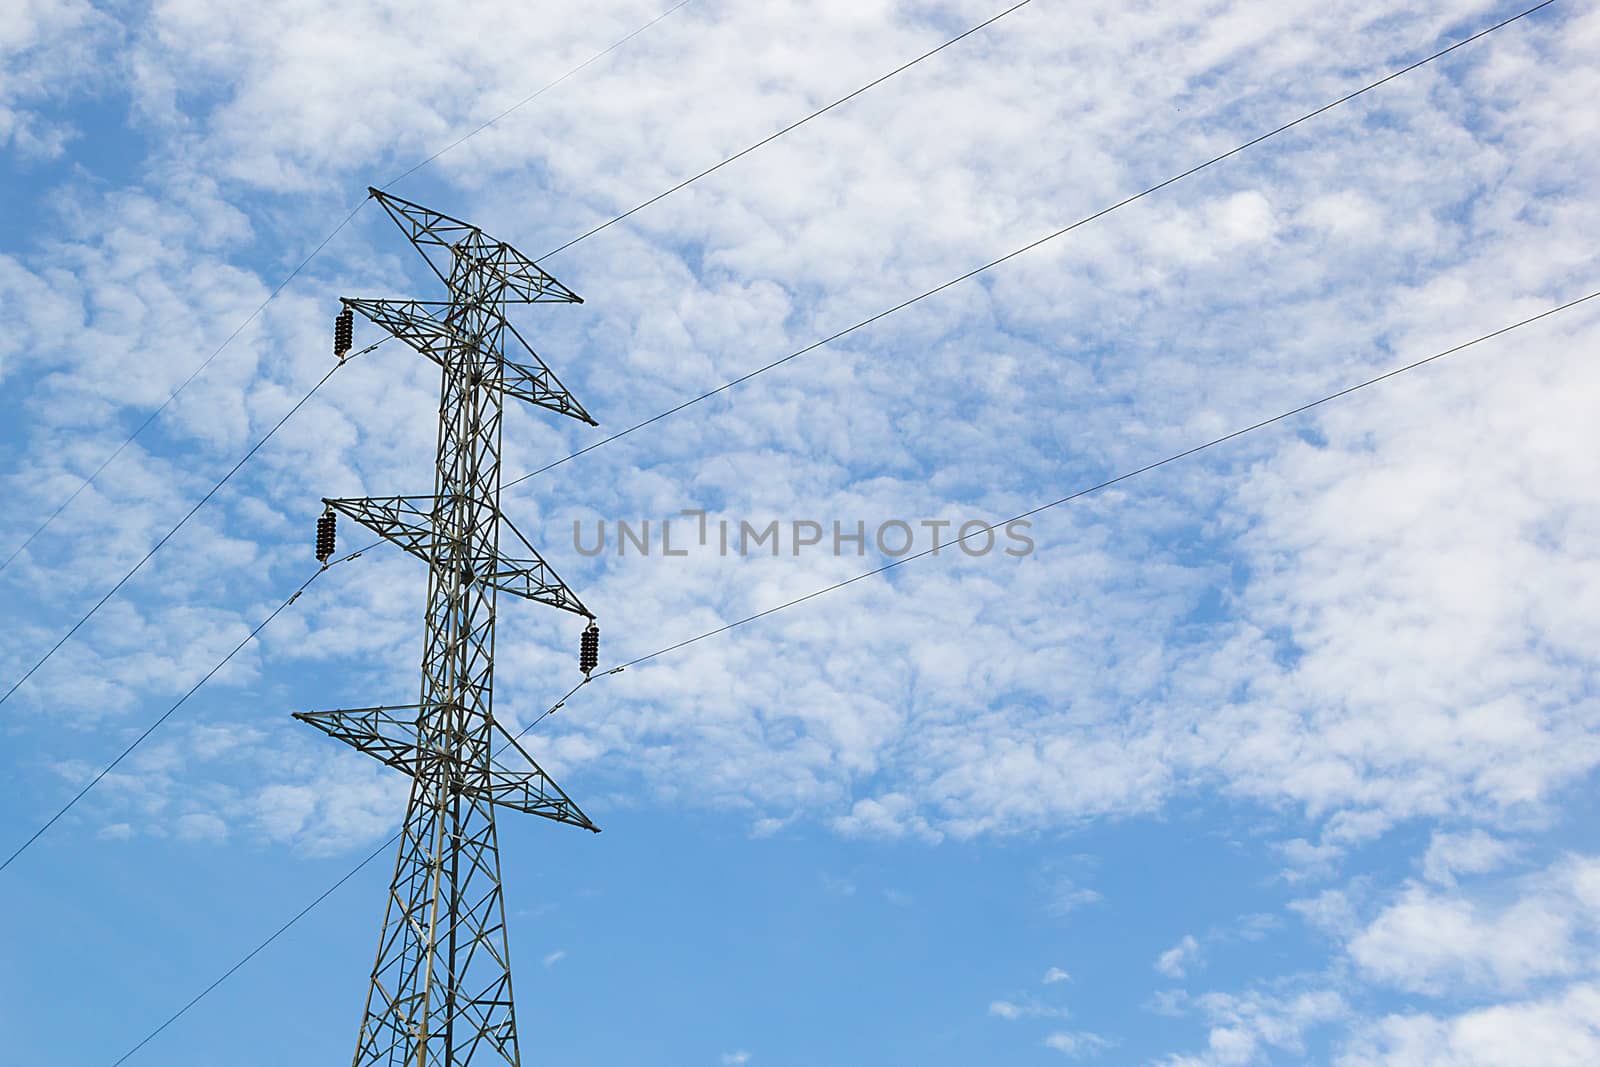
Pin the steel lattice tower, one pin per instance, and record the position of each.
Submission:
(441, 987)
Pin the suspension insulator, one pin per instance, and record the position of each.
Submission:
(589, 649)
(326, 535)
(343, 332)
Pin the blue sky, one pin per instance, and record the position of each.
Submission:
(1278, 755)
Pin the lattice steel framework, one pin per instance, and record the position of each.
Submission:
(441, 987)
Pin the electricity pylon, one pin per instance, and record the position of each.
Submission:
(441, 987)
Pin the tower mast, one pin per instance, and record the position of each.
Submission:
(440, 994)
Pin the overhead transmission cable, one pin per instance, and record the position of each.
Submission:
(164, 716)
(1030, 246)
(137, 567)
(991, 20)
(1026, 248)
(928, 293)
(140, 429)
(825, 590)
(996, 262)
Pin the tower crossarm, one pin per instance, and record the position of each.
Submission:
(513, 779)
(408, 521)
(405, 520)
(527, 575)
(425, 326)
(529, 789)
(448, 244)
(388, 734)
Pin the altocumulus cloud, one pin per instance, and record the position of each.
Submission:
(1384, 615)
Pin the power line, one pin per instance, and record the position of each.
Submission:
(792, 126)
(183, 521)
(1175, 457)
(1149, 467)
(140, 429)
(1030, 246)
(126, 752)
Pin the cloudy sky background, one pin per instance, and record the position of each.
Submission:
(1278, 755)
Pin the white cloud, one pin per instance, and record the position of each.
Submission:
(1518, 950)
(1247, 1028)
(1054, 975)
(1438, 942)
(1243, 218)
(735, 1059)
(1333, 911)
(1026, 1007)
(553, 958)
(1560, 1030)
(1472, 852)
(1176, 961)
(892, 815)
(1256, 926)
(1067, 896)
(1424, 941)
(1076, 1044)
(47, 50)
(201, 826)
